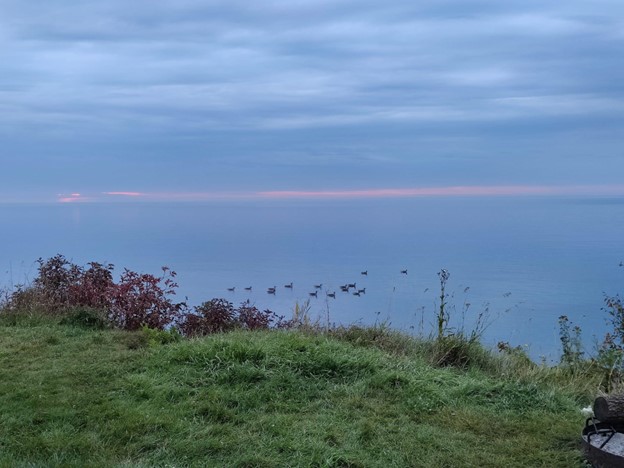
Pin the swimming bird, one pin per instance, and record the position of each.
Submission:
(232, 289)
(362, 291)
(365, 273)
(271, 290)
(315, 294)
(356, 293)
(404, 272)
(318, 286)
(248, 289)
(332, 295)
(344, 288)
(351, 285)
(289, 286)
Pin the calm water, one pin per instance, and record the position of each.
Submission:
(530, 259)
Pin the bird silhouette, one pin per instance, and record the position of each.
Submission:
(404, 272)
(271, 290)
(318, 286)
(332, 295)
(314, 294)
(248, 289)
(365, 273)
(231, 289)
(289, 286)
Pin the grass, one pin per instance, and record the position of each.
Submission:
(353, 397)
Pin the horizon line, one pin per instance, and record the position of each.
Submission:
(409, 192)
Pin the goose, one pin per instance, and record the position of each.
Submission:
(271, 290)
(365, 273)
(351, 285)
(315, 294)
(356, 293)
(289, 286)
(344, 288)
(404, 272)
(318, 286)
(231, 289)
(361, 291)
(332, 295)
(248, 289)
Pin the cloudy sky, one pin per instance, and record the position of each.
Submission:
(189, 98)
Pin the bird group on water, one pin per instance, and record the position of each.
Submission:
(346, 288)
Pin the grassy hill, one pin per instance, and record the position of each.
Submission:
(357, 397)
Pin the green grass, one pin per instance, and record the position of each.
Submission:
(71, 396)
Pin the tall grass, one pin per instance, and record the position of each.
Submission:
(76, 395)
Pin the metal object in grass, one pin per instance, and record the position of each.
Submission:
(603, 443)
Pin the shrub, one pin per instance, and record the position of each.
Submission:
(219, 315)
(252, 318)
(212, 316)
(144, 300)
(93, 287)
(23, 299)
(61, 284)
(56, 279)
(136, 300)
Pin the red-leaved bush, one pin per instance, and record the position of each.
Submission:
(252, 318)
(218, 315)
(137, 300)
(144, 299)
(93, 287)
(213, 316)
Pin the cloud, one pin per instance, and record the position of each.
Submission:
(455, 191)
(125, 194)
(306, 80)
(410, 192)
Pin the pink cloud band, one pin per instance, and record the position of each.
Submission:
(124, 194)
(452, 191)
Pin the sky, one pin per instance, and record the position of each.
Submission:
(188, 99)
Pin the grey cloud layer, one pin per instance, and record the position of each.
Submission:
(194, 68)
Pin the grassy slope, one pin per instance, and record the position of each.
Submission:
(76, 397)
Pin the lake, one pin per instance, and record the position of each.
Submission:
(527, 260)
